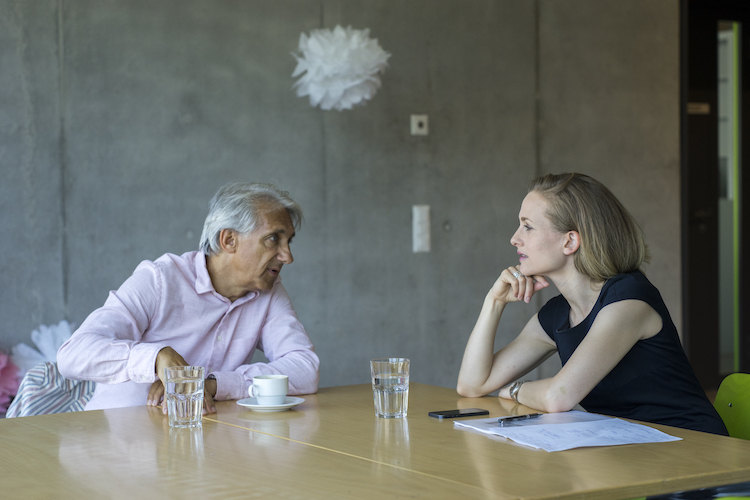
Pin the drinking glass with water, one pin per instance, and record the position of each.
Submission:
(184, 396)
(390, 386)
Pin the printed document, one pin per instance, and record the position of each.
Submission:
(572, 429)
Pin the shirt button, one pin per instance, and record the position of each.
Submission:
(219, 337)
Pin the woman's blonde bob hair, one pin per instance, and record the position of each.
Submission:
(612, 242)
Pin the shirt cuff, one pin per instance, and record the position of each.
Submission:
(230, 385)
(142, 362)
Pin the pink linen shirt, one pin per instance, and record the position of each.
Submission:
(171, 302)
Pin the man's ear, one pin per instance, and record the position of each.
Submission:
(572, 242)
(228, 240)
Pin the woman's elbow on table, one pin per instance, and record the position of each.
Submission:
(558, 407)
(468, 391)
(557, 400)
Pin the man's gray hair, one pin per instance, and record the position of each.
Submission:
(239, 206)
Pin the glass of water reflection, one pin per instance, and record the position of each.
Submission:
(184, 395)
(390, 386)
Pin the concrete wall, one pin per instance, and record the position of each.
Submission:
(609, 92)
(118, 121)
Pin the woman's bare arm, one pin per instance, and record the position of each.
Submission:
(615, 331)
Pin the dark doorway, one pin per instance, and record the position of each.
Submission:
(715, 99)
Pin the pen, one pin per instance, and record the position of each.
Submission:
(505, 420)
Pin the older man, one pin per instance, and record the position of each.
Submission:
(210, 308)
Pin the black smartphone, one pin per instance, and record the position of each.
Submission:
(466, 412)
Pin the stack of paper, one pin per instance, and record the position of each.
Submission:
(573, 429)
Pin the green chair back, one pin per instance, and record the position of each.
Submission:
(733, 404)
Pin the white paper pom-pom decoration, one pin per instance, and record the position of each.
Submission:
(341, 67)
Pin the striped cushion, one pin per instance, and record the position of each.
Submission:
(43, 390)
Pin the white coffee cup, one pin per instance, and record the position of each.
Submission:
(269, 389)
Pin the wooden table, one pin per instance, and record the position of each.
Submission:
(333, 446)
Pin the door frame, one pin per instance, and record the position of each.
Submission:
(699, 184)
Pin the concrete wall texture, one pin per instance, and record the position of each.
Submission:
(119, 120)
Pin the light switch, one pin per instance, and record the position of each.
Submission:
(420, 228)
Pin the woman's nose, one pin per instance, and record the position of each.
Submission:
(514, 239)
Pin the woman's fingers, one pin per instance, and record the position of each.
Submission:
(529, 281)
(517, 282)
(513, 285)
(540, 282)
(524, 286)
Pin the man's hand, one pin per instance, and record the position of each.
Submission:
(209, 393)
(166, 358)
(155, 394)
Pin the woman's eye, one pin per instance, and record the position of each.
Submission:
(527, 227)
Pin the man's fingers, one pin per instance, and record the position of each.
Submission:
(208, 403)
(168, 357)
(155, 393)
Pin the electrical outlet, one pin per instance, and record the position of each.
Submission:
(420, 125)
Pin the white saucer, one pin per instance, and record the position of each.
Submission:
(252, 403)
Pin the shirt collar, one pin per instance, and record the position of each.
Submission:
(202, 279)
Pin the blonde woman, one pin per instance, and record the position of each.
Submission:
(620, 351)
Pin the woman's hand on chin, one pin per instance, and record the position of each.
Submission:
(513, 286)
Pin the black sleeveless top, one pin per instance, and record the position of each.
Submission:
(654, 382)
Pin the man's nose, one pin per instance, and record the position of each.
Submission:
(285, 254)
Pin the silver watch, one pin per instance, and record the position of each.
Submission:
(514, 388)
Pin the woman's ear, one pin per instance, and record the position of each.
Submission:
(228, 240)
(572, 242)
